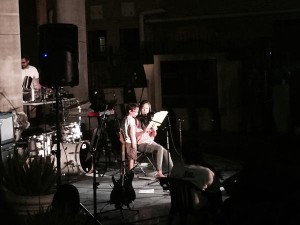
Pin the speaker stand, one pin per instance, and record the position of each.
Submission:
(58, 134)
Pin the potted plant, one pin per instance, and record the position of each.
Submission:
(29, 183)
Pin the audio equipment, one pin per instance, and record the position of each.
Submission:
(58, 55)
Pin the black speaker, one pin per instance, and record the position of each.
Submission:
(58, 55)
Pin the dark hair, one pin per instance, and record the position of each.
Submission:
(25, 56)
(142, 103)
(66, 200)
(131, 106)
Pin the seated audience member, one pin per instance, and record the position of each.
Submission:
(66, 200)
(195, 169)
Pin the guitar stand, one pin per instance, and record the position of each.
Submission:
(121, 210)
(120, 205)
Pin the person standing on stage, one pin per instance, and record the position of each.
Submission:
(128, 127)
(30, 71)
(31, 88)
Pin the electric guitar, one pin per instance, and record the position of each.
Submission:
(123, 192)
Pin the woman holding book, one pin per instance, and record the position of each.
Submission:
(145, 139)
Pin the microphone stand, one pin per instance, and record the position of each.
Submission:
(93, 149)
(180, 120)
(168, 144)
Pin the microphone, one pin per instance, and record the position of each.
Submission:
(180, 119)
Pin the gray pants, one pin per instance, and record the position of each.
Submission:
(160, 151)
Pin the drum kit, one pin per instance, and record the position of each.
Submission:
(74, 151)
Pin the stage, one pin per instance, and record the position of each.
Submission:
(152, 202)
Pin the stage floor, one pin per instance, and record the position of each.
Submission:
(152, 202)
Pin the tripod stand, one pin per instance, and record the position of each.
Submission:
(102, 144)
(92, 152)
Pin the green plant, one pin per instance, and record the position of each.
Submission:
(29, 176)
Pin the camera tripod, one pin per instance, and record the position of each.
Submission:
(101, 140)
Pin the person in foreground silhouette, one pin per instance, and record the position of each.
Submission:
(66, 200)
(197, 170)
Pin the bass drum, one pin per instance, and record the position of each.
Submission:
(75, 158)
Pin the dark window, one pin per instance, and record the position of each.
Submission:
(97, 45)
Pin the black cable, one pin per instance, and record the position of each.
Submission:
(7, 99)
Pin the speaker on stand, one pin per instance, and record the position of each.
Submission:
(58, 58)
(58, 55)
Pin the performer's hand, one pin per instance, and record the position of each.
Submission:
(154, 127)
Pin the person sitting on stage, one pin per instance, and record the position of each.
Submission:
(128, 127)
(145, 139)
(145, 115)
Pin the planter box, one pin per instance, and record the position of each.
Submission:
(24, 205)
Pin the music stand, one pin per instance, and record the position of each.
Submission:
(157, 119)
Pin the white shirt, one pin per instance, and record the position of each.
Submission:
(31, 71)
(128, 121)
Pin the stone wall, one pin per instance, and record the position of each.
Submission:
(10, 57)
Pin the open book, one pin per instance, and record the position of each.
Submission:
(157, 119)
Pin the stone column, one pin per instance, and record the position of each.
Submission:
(10, 57)
(73, 12)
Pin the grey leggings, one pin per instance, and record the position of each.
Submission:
(160, 151)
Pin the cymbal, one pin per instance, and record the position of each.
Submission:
(77, 104)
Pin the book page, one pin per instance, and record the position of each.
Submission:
(157, 119)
